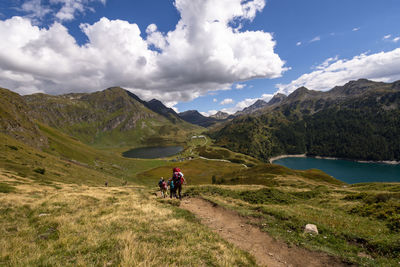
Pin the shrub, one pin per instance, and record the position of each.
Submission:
(40, 170)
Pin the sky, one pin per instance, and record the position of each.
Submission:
(207, 55)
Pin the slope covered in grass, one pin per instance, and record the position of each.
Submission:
(71, 225)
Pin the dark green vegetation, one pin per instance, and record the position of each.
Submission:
(360, 120)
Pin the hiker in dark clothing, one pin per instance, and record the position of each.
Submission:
(178, 179)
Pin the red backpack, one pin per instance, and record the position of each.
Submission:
(177, 177)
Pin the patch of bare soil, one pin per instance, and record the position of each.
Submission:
(266, 250)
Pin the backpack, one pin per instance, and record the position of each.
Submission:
(177, 178)
(164, 185)
(171, 184)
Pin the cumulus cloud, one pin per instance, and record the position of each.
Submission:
(383, 66)
(298, 44)
(356, 29)
(203, 53)
(396, 39)
(227, 101)
(215, 100)
(387, 37)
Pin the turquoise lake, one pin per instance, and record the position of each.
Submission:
(152, 152)
(345, 170)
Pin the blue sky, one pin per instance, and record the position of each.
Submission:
(318, 44)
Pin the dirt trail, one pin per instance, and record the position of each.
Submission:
(266, 250)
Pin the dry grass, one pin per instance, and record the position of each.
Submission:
(97, 226)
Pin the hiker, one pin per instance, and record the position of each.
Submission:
(163, 187)
(179, 179)
(172, 188)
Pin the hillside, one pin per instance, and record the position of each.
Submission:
(16, 122)
(360, 120)
(110, 118)
(194, 117)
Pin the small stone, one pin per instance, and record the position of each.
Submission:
(220, 229)
(364, 255)
(325, 237)
(242, 225)
(311, 228)
(43, 214)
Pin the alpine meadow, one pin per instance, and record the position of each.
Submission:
(148, 133)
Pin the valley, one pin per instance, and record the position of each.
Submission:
(58, 152)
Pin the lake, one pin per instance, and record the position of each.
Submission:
(152, 152)
(345, 170)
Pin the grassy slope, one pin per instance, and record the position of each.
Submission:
(73, 225)
(95, 226)
(357, 222)
(107, 119)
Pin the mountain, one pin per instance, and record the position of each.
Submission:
(220, 115)
(359, 120)
(110, 118)
(16, 122)
(252, 108)
(194, 117)
(158, 107)
(277, 99)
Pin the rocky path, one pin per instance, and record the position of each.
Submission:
(266, 250)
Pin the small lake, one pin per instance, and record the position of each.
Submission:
(345, 170)
(152, 152)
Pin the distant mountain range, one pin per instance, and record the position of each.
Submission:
(110, 118)
(360, 120)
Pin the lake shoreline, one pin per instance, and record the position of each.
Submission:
(390, 162)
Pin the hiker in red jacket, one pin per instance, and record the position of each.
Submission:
(179, 179)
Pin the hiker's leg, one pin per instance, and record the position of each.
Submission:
(179, 191)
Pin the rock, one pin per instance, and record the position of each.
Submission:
(43, 214)
(364, 255)
(311, 228)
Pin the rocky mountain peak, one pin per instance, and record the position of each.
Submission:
(220, 115)
(278, 98)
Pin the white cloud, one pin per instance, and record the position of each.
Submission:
(240, 86)
(215, 100)
(396, 39)
(227, 101)
(383, 66)
(246, 103)
(387, 37)
(203, 53)
(356, 29)
(298, 44)
(315, 39)
(209, 113)
(35, 9)
(326, 63)
(62, 10)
